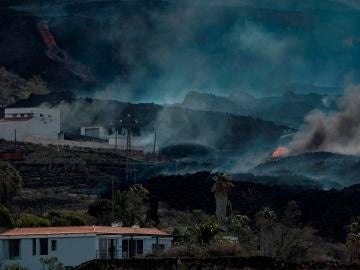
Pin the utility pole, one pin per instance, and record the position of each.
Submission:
(116, 137)
(112, 200)
(15, 139)
(130, 171)
(154, 151)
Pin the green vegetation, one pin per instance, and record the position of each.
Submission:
(128, 207)
(52, 263)
(14, 266)
(6, 219)
(10, 182)
(29, 220)
(53, 218)
(221, 188)
(14, 88)
(353, 240)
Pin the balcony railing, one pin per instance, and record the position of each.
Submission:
(106, 254)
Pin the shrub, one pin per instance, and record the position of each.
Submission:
(184, 251)
(223, 249)
(29, 220)
(14, 266)
(66, 219)
(6, 220)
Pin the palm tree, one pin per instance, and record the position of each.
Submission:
(221, 188)
(121, 205)
(353, 239)
(265, 220)
(137, 197)
(10, 182)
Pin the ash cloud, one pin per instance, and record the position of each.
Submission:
(158, 51)
(337, 132)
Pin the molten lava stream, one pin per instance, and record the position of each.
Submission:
(280, 152)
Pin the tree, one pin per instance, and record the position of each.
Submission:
(36, 85)
(14, 88)
(196, 227)
(205, 233)
(6, 220)
(137, 197)
(353, 239)
(292, 214)
(240, 226)
(121, 206)
(221, 188)
(10, 182)
(265, 221)
(101, 210)
(29, 220)
(66, 218)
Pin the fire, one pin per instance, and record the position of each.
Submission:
(280, 152)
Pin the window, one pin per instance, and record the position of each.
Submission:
(92, 132)
(125, 246)
(139, 247)
(53, 245)
(14, 249)
(44, 246)
(34, 246)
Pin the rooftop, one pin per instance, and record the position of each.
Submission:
(82, 230)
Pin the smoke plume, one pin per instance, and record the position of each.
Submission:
(337, 132)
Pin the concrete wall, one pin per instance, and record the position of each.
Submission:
(30, 122)
(70, 251)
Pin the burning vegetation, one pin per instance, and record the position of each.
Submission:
(280, 152)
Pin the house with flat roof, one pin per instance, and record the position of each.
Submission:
(22, 124)
(75, 245)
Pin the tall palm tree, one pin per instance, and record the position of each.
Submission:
(353, 239)
(10, 182)
(221, 188)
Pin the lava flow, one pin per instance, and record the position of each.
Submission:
(57, 54)
(280, 152)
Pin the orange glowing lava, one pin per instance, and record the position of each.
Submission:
(280, 152)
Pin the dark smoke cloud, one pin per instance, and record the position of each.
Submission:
(334, 132)
(159, 52)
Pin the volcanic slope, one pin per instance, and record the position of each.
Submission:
(329, 169)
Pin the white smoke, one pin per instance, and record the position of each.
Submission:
(337, 132)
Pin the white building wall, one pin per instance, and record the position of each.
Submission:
(71, 251)
(30, 122)
(103, 132)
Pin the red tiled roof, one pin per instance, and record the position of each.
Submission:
(82, 230)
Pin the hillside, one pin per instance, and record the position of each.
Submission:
(288, 109)
(137, 50)
(174, 125)
(318, 207)
(329, 169)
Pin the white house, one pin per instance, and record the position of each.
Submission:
(98, 132)
(26, 123)
(75, 245)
